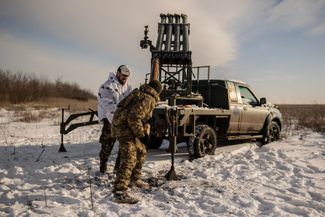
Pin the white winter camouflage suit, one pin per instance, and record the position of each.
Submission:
(109, 95)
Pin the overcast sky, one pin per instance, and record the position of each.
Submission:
(278, 47)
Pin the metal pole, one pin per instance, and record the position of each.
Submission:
(198, 79)
(161, 31)
(62, 148)
(171, 175)
(169, 32)
(209, 87)
(177, 32)
(185, 33)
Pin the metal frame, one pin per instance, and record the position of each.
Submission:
(64, 124)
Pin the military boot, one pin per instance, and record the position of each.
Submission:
(140, 184)
(103, 167)
(124, 197)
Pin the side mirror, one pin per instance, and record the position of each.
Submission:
(263, 101)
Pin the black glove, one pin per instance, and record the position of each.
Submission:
(146, 139)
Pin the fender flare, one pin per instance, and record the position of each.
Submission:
(268, 120)
(271, 117)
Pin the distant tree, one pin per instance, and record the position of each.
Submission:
(23, 87)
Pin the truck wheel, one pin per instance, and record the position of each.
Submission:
(204, 142)
(272, 133)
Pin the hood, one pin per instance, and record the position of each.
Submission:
(273, 109)
(112, 77)
(145, 88)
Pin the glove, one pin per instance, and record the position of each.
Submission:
(147, 129)
(146, 139)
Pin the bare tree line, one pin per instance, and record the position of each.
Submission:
(310, 116)
(23, 87)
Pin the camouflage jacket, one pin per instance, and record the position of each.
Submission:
(133, 112)
(109, 95)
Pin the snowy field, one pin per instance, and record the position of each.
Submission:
(284, 178)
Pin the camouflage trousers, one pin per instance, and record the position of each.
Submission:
(107, 142)
(133, 154)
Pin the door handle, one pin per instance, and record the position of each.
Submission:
(245, 108)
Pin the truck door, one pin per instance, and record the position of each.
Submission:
(235, 108)
(253, 115)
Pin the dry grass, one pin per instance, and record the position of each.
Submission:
(47, 108)
(29, 117)
(310, 116)
(70, 104)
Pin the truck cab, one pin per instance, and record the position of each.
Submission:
(249, 116)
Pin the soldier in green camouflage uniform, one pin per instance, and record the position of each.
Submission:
(128, 126)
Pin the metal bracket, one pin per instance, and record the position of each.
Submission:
(71, 127)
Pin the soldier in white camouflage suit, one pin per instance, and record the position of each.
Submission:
(130, 124)
(109, 95)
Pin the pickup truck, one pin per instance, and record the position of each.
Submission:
(217, 111)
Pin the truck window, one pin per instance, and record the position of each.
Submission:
(247, 96)
(232, 92)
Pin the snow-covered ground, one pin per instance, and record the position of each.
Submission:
(284, 178)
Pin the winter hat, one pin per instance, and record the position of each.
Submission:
(155, 84)
(124, 69)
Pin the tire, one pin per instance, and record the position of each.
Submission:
(272, 133)
(204, 142)
(154, 143)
